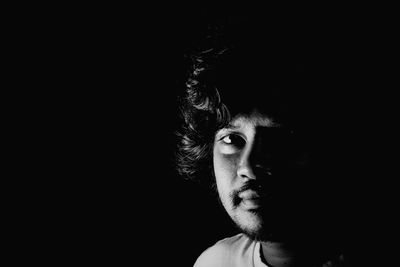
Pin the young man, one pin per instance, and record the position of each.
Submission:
(251, 129)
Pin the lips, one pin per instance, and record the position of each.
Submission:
(250, 199)
(249, 195)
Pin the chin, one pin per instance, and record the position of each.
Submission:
(256, 227)
(250, 223)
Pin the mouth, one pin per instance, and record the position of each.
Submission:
(250, 200)
(251, 204)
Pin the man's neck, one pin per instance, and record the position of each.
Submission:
(279, 254)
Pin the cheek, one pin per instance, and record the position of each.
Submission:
(224, 170)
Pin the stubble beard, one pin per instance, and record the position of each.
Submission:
(263, 224)
(261, 231)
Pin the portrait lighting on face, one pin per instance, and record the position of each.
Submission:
(250, 131)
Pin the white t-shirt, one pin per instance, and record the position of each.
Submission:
(238, 250)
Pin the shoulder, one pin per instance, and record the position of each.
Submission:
(223, 252)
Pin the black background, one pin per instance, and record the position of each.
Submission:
(105, 84)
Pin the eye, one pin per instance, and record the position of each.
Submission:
(234, 140)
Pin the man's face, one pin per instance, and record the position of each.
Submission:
(255, 159)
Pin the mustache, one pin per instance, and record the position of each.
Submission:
(254, 185)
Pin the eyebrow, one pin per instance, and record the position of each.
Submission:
(230, 126)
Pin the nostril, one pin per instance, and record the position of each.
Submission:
(263, 171)
(246, 171)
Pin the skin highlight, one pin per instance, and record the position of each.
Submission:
(242, 166)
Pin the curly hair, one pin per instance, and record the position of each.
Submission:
(202, 113)
(225, 78)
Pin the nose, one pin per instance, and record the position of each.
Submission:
(245, 170)
(251, 166)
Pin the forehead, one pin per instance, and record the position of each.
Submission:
(254, 119)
